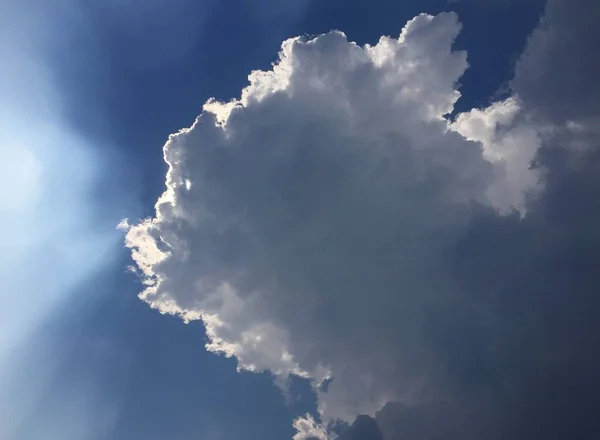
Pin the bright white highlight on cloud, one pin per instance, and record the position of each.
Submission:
(508, 142)
(307, 221)
(308, 429)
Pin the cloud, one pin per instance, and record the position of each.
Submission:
(519, 345)
(518, 348)
(309, 429)
(509, 139)
(307, 223)
(556, 77)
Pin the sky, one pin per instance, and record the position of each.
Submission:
(304, 220)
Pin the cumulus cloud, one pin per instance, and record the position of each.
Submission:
(308, 429)
(333, 224)
(510, 140)
(307, 220)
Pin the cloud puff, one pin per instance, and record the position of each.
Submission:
(510, 140)
(307, 223)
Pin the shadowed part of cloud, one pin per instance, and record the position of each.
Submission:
(518, 353)
(557, 75)
(519, 348)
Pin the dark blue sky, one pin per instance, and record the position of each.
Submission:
(130, 78)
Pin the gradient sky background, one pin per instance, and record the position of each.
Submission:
(89, 93)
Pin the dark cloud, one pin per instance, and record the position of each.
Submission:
(557, 75)
(517, 349)
(364, 427)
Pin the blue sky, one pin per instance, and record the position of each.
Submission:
(90, 92)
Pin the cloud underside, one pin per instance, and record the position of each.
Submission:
(333, 224)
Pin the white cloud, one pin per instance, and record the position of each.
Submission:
(306, 222)
(308, 429)
(510, 141)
